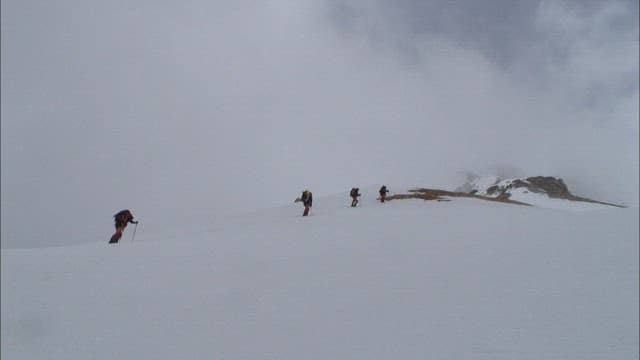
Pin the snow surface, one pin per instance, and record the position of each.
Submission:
(411, 279)
(542, 200)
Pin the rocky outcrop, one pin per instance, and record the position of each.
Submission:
(553, 187)
(550, 186)
(502, 190)
(443, 195)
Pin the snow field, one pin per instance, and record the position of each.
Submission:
(405, 279)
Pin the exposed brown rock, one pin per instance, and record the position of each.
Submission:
(436, 194)
(553, 187)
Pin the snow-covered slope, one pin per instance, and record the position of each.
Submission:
(407, 279)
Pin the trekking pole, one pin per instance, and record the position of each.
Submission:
(134, 232)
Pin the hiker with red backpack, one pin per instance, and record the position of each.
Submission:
(122, 218)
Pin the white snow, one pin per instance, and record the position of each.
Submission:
(542, 200)
(412, 279)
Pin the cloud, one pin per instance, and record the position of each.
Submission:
(556, 81)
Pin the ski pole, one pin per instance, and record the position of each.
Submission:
(134, 232)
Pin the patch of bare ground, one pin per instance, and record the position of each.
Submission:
(556, 188)
(503, 197)
(441, 195)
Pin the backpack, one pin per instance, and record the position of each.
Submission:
(123, 216)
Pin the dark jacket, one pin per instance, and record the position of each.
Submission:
(354, 192)
(123, 218)
(383, 190)
(307, 198)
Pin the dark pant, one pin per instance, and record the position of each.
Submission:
(116, 236)
(354, 202)
(306, 210)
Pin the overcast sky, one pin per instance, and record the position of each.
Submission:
(185, 110)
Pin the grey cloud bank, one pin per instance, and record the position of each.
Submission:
(183, 111)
